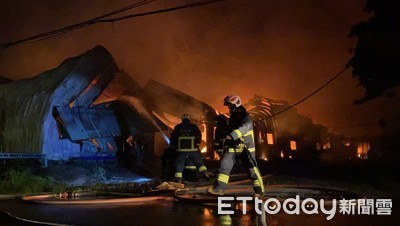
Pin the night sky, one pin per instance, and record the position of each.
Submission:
(279, 49)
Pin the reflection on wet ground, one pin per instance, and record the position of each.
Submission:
(168, 212)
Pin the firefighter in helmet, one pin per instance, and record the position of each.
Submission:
(186, 139)
(239, 144)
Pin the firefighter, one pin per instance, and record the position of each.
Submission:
(186, 139)
(238, 144)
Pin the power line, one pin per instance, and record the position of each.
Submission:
(301, 100)
(73, 27)
(101, 19)
(158, 11)
(308, 96)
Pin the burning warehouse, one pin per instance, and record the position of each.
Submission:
(281, 132)
(87, 107)
(286, 135)
(77, 109)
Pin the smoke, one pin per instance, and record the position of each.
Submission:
(283, 50)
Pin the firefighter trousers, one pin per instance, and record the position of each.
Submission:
(181, 158)
(228, 161)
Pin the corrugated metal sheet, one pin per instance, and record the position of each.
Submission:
(86, 123)
(28, 103)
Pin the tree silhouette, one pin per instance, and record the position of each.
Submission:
(376, 60)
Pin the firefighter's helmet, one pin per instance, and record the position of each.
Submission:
(232, 100)
(185, 116)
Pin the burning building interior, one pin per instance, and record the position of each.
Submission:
(282, 132)
(87, 107)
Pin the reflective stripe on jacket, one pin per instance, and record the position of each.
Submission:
(242, 130)
(186, 137)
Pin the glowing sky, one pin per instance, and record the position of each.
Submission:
(279, 49)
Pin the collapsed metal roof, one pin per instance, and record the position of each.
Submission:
(70, 94)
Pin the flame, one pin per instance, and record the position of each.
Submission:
(362, 150)
(326, 145)
(206, 212)
(282, 155)
(204, 150)
(293, 145)
(216, 156)
(203, 133)
(270, 138)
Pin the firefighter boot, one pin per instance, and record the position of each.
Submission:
(216, 192)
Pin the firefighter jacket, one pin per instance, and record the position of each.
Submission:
(186, 137)
(241, 130)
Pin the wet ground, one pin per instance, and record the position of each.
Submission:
(167, 211)
(372, 181)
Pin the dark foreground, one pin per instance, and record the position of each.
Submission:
(166, 212)
(368, 180)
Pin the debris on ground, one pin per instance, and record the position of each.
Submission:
(169, 185)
